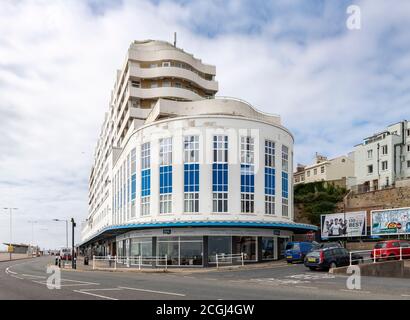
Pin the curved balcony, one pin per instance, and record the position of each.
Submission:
(164, 92)
(171, 54)
(173, 72)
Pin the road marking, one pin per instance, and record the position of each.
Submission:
(78, 283)
(189, 277)
(153, 291)
(104, 289)
(405, 295)
(9, 271)
(306, 287)
(12, 275)
(357, 291)
(95, 295)
(33, 276)
(212, 279)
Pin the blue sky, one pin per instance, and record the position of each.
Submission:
(332, 86)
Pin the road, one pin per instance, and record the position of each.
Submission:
(27, 280)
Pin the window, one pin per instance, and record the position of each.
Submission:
(315, 171)
(165, 203)
(370, 154)
(408, 132)
(322, 169)
(165, 151)
(384, 165)
(136, 84)
(220, 174)
(408, 163)
(384, 149)
(133, 182)
(370, 169)
(165, 175)
(308, 173)
(153, 65)
(191, 202)
(145, 178)
(191, 174)
(270, 177)
(285, 181)
(154, 84)
(166, 83)
(166, 64)
(177, 85)
(247, 175)
(191, 149)
(408, 148)
(270, 154)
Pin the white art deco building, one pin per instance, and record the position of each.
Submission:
(182, 173)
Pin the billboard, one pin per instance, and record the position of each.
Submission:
(349, 224)
(390, 221)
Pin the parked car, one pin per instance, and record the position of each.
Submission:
(296, 251)
(327, 258)
(390, 250)
(325, 245)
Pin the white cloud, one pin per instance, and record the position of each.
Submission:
(58, 60)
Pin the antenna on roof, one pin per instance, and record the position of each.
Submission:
(175, 39)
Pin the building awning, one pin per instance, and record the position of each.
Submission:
(112, 231)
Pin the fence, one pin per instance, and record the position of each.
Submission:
(379, 254)
(116, 262)
(228, 258)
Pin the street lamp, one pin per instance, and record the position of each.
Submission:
(11, 225)
(66, 229)
(32, 234)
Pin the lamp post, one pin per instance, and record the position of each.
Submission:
(66, 230)
(11, 225)
(73, 259)
(32, 234)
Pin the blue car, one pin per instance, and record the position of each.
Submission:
(296, 251)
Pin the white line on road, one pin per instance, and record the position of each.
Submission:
(9, 271)
(305, 287)
(153, 291)
(405, 295)
(33, 276)
(95, 295)
(12, 275)
(104, 289)
(355, 290)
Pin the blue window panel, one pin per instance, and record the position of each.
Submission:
(145, 182)
(285, 185)
(133, 186)
(220, 177)
(247, 178)
(270, 181)
(165, 179)
(191, 177)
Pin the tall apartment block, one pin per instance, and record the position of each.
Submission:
(182, 174)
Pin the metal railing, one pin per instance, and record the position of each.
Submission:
(378, 255)
(224, 258)
(139, 262)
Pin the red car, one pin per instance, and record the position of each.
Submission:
(390, 250)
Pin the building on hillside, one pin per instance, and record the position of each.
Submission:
(181, 173)
(339, 171)
(383, 159)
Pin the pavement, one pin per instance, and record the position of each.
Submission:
(4, 256)
(28, 280)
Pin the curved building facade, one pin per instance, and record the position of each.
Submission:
(188, 175)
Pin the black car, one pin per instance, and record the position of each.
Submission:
(325, 245)
(324, 259)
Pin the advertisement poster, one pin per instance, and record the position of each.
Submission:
(390, 221)
(349, 224)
